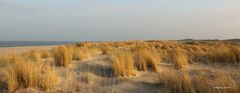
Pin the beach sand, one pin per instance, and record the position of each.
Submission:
(10, 50)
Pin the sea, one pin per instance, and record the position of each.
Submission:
(33, 43)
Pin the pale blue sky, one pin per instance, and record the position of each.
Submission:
(103, 20)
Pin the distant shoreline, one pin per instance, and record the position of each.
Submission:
(33, 43)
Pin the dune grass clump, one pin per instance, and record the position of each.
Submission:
(224, 83)
(5, 59)
(83, 44)
(175, 82)
(226, 54)
(236, 52)
(106, 50)
(199, 82)
(25, 74)
(46, 54)
(62, 55)
(33, 55)
(213, 52)
(49, 78)
(179, 58)
(195, 53)
(146, 59)
(123, 63)
(82, 53)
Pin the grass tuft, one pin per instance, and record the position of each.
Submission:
(82, 53)
(147, 59)
(179, 58)
(25, 74)
(224, 54)
(176, 82)
(46, 54)
(62, 55)
(201, 82)
(123, 63)
(33, 55)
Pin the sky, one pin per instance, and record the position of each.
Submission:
(108, 20)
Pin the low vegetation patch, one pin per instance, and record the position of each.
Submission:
(25, 74)
(123, 63)
(46, 54)
(179, 58)
(33, 55)
(182, 82)
(62, 55)
(147, 59)
(106, 50)
(82, 53)
(176, 82)
(223, 54)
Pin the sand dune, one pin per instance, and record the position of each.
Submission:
(170, 67)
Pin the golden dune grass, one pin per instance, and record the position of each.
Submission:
(33, 55)
(5, 59)
(46, 54)
(106, 50)
(83, 44)
(179, 58)
(182, 82)
(9, 58)
(123, 63)
(147, 59)
(195, 52)
(222, 82)
(25, 74)
(62, 55)
(224, 54)
(176, 82)
(214, 52)
(82, 53)
(201, 84)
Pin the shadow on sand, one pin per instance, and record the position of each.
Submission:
(97, 69)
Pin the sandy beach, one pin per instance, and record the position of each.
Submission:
(10, 50)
